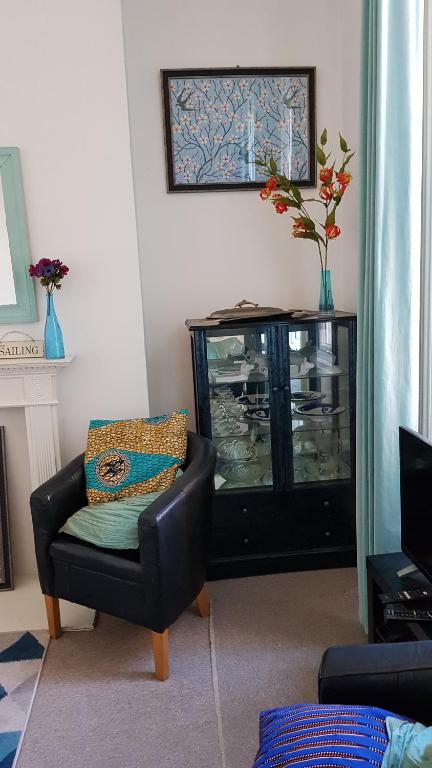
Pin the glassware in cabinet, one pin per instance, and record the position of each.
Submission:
(240, 407)
(320, 402)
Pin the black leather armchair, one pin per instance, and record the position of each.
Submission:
(150, 586)
(393, 676)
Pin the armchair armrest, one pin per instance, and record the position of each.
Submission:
(173, 537)
(394, 676)
(51, 505)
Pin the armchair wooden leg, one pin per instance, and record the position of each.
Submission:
(203, 604)
(160, 654)
(53, 616)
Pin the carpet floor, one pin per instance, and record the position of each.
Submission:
(270, 633)
(97, 704)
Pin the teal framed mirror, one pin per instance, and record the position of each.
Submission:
(17, 297)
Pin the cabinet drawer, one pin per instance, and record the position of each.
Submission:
(260, 523)
(325, 517)
(238, 510)
(234, 543)
(276, 538)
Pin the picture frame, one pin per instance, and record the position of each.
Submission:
(6, 582)
(218, 122)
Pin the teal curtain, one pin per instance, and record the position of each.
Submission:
(389, 289)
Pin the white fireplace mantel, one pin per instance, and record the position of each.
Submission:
(31, 384)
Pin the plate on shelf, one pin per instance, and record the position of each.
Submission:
(229, 378)
(226, 370)
(315, 373)
(259, 415)
(330, 370)
(306, 396)
(318, 412)
(259, 400)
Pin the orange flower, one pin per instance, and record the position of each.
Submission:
(343, 178)
(332, 231)
(264, 194)
(338, 193)
(326, 175)
(326, 192)
(298, 229)
(272, 182)
(281, 207)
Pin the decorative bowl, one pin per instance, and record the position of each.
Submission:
(318, 412)
(306, 395)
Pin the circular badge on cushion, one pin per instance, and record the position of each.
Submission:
(112, 468)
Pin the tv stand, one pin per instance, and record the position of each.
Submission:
(383, 576)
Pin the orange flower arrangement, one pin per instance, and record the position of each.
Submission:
(283, 194)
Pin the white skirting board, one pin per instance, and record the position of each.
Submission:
(24, 608)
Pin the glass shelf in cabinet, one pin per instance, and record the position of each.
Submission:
(219, 380)
(237, 435)
(300, 424)
(318, 374)
(228, 486)
(345, 479)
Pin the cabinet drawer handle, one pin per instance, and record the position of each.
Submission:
(275, 389)
(287, 388)
(245, 541)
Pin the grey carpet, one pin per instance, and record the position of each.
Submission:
(97, 704)
(270, 633)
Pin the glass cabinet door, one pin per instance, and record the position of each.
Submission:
(240, 406)
(319, 358)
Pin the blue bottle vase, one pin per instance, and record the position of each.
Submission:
(53, 339)
(326, 305)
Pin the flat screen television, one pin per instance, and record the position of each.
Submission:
(416, 499)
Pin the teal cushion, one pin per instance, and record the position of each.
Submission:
(410, 745)
(112, 524)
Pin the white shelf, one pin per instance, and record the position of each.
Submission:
(33, 365)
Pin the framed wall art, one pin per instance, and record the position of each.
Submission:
(218, 122)
(5, 553)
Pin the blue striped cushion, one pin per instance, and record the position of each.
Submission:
(322, 736)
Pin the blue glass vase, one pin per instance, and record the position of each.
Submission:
(326, 305)
(53, 339)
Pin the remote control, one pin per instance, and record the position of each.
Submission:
(406, 594)
(407, 614)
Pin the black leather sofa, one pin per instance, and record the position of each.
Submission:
(150, 586)
(393, 676)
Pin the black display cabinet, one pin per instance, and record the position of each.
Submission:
(277, 398)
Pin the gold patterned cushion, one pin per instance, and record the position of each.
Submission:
(128, 458)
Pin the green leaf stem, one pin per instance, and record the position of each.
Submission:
(320, 156)
(342, 143)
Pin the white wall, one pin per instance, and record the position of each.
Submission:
(200, 252)
(63, 103)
